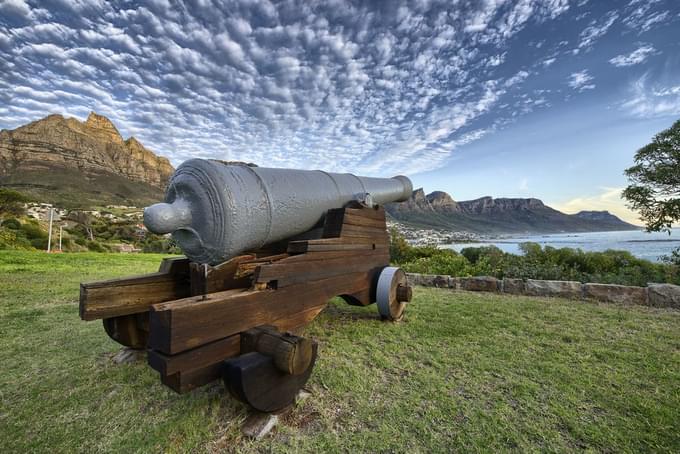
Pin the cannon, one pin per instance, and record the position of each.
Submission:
(264, 251)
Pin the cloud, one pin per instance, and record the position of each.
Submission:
(643, 18)
(344, 86)
(581, 81)
(16, 8)
(524, 185)
(607, 200)
(596, 30)
(650, 100)
(548, 61)
(636, 57)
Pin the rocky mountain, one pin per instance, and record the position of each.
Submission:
(488, 215)
(72, 162)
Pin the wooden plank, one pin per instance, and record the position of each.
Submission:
(349, 229)
(298, 272)
(183, 382)
(132, 295)
(219, 278)
(248, 267)
(187, 375)
(354, 219)
(347, 219)
(378, 214)
(326, 255)
(306, 247)
(198, 358)
(180, 325)
(174, 265)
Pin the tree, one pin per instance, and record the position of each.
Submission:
(12, 202)
(654, 191)
(84, 219)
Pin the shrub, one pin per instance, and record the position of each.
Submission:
(39, 243)
(445, 262)
(33, 231)
(12, 239)
(11, 223)
(96, 246)
(609, 267)
(12, 202)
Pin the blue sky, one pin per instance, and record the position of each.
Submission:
(528, 98)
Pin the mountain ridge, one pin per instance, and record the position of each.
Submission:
(488, 215)
(62, 159)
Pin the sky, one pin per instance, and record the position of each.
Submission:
(528, 98)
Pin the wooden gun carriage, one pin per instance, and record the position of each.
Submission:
(236, 320)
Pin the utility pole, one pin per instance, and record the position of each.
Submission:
(49, 233)
(61, 227)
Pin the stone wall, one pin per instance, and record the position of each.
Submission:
(657, 295)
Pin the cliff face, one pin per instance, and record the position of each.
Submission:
(93, 147)
(503, 215)
(442, 202)
(488, 205)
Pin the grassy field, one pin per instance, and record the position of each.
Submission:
(463, 372)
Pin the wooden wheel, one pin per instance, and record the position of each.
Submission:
(255, 379)
(392, 293)
(127, 330)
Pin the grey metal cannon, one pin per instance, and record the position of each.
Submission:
(216, 211)
(265, 251)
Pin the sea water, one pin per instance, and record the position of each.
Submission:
(649, 246)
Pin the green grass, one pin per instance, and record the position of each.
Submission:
(463, 372)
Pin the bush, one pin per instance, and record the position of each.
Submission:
(39, 243)
(445, 262)
(95, 246)
(33, 231)
(12, 202)
(11, 239)
(11, 223)
(608, 267)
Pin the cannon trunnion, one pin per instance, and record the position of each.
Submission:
(238, 320)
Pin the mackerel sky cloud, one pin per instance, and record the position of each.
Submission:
(435, 89)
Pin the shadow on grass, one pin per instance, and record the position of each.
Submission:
(344, 311)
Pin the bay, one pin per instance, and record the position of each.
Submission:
(649, 246)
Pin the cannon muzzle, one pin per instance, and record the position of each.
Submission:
(216, 211)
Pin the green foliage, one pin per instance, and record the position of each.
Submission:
(444, 262)
(33, 231)
(96, 246)
(673, 258)
(39, 243)
(399, 247)
(11, 223)
(655, 180)
(609, 267)
(13, 239)
(12, 202)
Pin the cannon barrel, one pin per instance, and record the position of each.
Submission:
(216, 211)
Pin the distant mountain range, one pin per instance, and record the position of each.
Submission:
(84, 164)
(488, 215)
(81, 164)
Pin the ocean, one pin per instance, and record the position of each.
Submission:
(649, 246)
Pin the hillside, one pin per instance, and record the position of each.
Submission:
(488, 215)
(80, 164)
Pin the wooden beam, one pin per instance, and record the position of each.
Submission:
(188, 370)
(132, 295)
(198, 358)
(286, 274)
(184, 324)
(219, 278)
